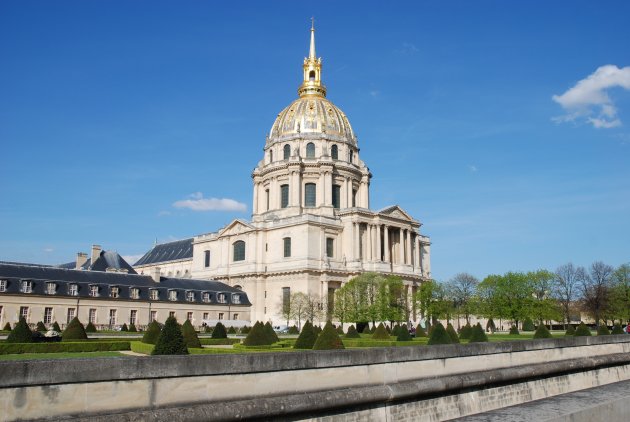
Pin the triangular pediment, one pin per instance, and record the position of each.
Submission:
(396, 212)
(235, 227)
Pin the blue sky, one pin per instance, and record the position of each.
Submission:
(113, 111)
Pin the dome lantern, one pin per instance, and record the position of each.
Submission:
(312, 84)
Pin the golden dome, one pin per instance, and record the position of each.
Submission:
(312, 115)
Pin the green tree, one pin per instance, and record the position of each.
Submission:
(542, 332)
(219, 331)
(270, 333)
(41, 326)
(462, 289)
(570, 330)
(565, 288)
(328, 339)
(90, 328)
(380, 333)
(596, 290)
(132, 328)
(466, 332)
(190, 335)
(452, 333)
(439, 335)
(74, 331)
(528, 325)
(478, 335)
(56, 327)
(582, 330)
(152, 333)
(171, 341)
(21, 333)
(352, 332)
(620, 294)
(307, 337)
(7, 327)
(403, 334)
(257, 336)
(544, 306)
(508, 296)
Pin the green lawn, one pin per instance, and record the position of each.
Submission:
(31, 356)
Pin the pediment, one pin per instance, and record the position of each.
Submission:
(396, 212)
(235, 227)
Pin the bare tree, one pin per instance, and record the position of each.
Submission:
(462, 288)
(596, 290)
(565, 287)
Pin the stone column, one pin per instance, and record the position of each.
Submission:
(420, 263)
(255, 204)
(357, 241)
(321, 191)
(386, 243)
(348, 193)
(416, 259)
(368, 235)
(401, 246)
(378, 242)
(408, 249)
(328, 188)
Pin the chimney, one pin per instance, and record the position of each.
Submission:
(81, 259)
(155, 274)
(96, 252)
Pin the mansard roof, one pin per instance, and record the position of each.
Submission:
(107, 260)
(165, 252)
(41, 275)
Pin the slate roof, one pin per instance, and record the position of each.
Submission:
(171, 251)
(106, 259)
(41, 275)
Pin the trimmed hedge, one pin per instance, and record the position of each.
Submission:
(452, 333)
(542, 332)
(366, 330)
(381, 333)
(478, 335)
(140, 347)
(7, 327)
(582, 330)
(293, 330)
(257, 336)
(368, 343)
(74, 331)
(328, 339)
(420, 331)
(528, 325)
(21, 333)
(514, 331)
(602, 330)
(231, 330)
(403, 334)
(153, 332)
(352, 332)
(171, 341)
(132, 328)
(219, 341)
(570, 331)
(219, 331)
(190, 335)
(270, 333)
(90, 328)
(56, 327)
(465, 332)
(617, 329)
(307, 338)
(124, 327)
(69, 347)
(245, 329)
(439, 335)
(396, 330)
(41, 326)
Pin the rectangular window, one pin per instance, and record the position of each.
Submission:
(310, 195)
(236, 299)
(135, 293)
(27, 286)
(190, 296)
(3, 285)
(51, 288)
(114, 292)
(206, 259)
(267, 198)
(235, 317)
(221, 298)
(189, 316)
(205, 315)
(220, 315)
(171, 314)
(354, 197)
(286, 300)
(153, 316)
(172, 295)
(24, 312)
(94, 291)
(239, 250)
(330, 247)
(112, 317)
(154, 294)
(336, 196)
(205, 296)
(72, 312)
(48, 315)
(287, 246)
(92, 315)
(73, 289)
(284, 196)
(133, 316)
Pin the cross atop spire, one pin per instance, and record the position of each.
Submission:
(312, 84)
(311, 53)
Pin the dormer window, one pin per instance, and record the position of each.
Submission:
(114, 292)
(236, 299)
(73, 289)
(172, 295)
(134, 293)
(26, 286)
(51, 288)
(190, 296)
(93, 290)
(205, 297)
(154, 294)
(221, 298)
(3, 286)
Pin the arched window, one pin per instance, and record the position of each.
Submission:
(311, 75)
(351, 156)
(286, 151)
(239, 287)
(336, 196)
(310, 150)
(284, 196)
(239, 250)
(310, 195)
(271, 156)
(334, 152)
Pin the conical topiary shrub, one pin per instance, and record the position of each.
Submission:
(190, 335)
(396, 330)
(132, 328)
(439, 335)
(152, 333)
(293, 330)
(514, 331)
(490, 326)
(388, 329)
(339, 330)
(420, 331)
(380, 333)
(582, 330)
(231, 330)
(452, 333)
(328, 339)
(570, 331)
(542, 332)
(124, 327)
(40, 326)
(270, 333)
(478, 335)
(219, 331)
(528, 325)
(90, 328)
(617, 329)
(602, 330)
(257, 336)
(74, 331)
(207, 329)
(466, 331)
(366, 330)
(352, 332)
(307, 337)
(317, 329)
(7, 327)
(246, 329)
(56, 327)
(21, 333)
(403, 334)
(171, 341)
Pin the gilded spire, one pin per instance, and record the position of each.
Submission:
(312, 84)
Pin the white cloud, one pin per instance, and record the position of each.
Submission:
(473, 169)
(408, 48)
(374, 93)
(48, 250)
(589, 99)
(197, 202)
(163, 213)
